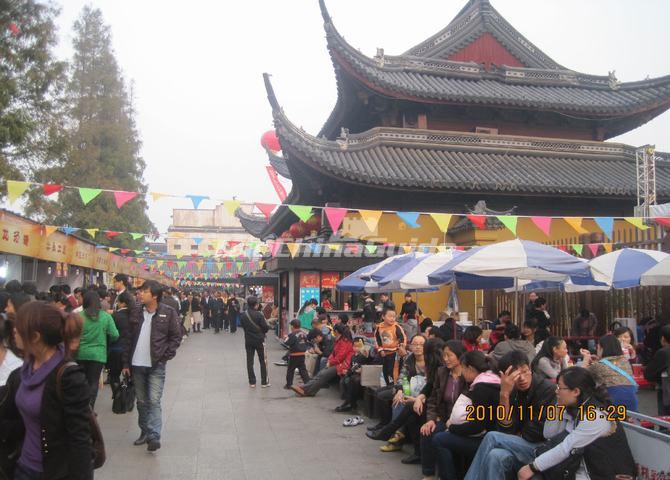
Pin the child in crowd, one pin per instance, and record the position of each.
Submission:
(297, 346)
(390, 339)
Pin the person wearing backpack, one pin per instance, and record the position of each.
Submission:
(255, 327)
(47, 413)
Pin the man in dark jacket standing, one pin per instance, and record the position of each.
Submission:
(523, 398)
(255, 327)
(153, 339)
(233, 306)
(205, 305)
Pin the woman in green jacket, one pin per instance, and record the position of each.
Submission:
(99, 328)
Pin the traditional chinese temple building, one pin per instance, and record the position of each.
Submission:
(474, 115)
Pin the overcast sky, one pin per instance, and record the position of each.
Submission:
(197, 69)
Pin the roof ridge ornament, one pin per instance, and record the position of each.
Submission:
(380, 57)
(612, 80)
(343, 139)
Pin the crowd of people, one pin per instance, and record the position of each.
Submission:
(520, 401)
(473, 403)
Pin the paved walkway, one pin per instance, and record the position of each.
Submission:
(216, 427)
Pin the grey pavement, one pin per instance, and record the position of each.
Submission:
(216, 427)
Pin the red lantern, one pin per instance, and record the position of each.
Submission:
(313, 223)
(296, 230)
(270, 141)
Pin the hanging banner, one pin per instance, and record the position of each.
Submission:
(20, 239)
(309, 286)
(329, 279)
(268, 294)
(274, 178)
(101, 259)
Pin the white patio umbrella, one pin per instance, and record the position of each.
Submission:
(623, 268)
(414, 275)
(658, 275)
(515, 259)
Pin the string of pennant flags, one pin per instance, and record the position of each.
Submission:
(335, 215)
(256, 250)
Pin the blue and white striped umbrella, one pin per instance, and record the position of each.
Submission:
(414, 274)
(514, 259)
(354, 284)
(390, 265)
(623, 268)
(658, 275)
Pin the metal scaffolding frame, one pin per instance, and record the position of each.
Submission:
(645, 163)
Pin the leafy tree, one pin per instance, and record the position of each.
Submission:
(31, 83)
(104, 145)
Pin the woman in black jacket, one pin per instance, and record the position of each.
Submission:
(470, 419)
(47, 416)
(124, 304)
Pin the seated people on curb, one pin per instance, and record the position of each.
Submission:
(528, 331)
(337, 365)
(351, 381)
(625, 337)
(447, 386)
(390, 337)
(513, 342)
(392, 419)
(410, 384)
(551, 359)
(604, 450)
(505, 451)
(470, 418)
(472, 339)
(613, 372)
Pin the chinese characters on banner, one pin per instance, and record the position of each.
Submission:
(309, 287)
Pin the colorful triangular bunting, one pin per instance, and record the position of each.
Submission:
(606, 224)
(576, 224)
(409, 218)
(15, 189)
(51, 188)
(301, 211)
(231, 206)
(197, 199)
(371, 218)
(335, 216)
(266, 209)
(510, 221)
(637, 222)
(88, 194)
(442, 221)
(478, 221)
(293, 248)
(543, 223)
(122, 197)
